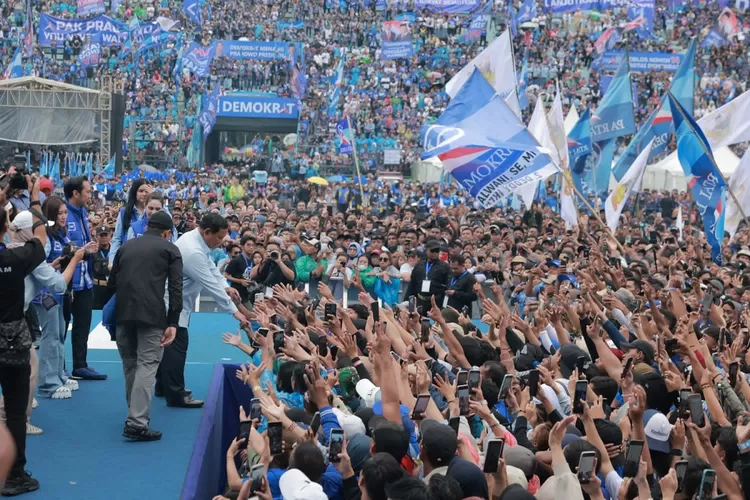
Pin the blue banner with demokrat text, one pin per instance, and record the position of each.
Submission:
(640, 61)
(562, 6)
(244, 106)
(53, 29)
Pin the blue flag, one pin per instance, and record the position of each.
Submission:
(603, 152)
(88, 166)
(526, 12)
(43, 168)
(109, 170)
(614, 116)
(659, 125)
(207, 117)
(704, 179)
(54, 174)
(345, 136)
(489, 162)
(523, 83)
(194, 11)
(15, 68)
(579, 148)
(335, 93)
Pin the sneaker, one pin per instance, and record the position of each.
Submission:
(71, 384)
(19, 485)
(34, 404)
(33, 430)
(87, 374)
(62, 392)
(137, 434)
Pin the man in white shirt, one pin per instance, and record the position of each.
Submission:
(200, 275)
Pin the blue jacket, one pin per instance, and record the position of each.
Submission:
(54, 247)
(78, 232)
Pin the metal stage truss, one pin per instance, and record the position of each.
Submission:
(40, 93)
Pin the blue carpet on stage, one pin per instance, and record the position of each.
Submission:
(82, 454)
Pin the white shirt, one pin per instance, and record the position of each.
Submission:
(200, 274)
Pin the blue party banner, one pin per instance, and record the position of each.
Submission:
(250, 49)
(53, 29)
(640, 61)
(395, 38)
(243, 106)
(88, 8)
(449, 6)
(91, 52)
(198, 58)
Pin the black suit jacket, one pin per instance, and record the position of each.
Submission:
(141, 270)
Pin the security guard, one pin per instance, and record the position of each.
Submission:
(101, 268)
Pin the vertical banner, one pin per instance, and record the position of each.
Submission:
(641, 15)
(207, 117)
(87, 8)
(344, 135)
(91, 52)
(395, 38)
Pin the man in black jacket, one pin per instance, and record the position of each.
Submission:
(140, 271)
(429, 277)
(461, 292)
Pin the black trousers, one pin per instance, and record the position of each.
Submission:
(14, 381)
(79, 307)
(170, 377)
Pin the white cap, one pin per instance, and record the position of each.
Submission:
(368, 391)
(351, 424)
(658, 427)
(295, 485)
(25, 220)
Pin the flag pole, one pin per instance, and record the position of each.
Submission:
(356, 160)
(710, 155)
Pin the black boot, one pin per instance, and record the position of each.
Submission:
(138, 434)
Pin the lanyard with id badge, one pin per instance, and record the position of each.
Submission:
(47, 300)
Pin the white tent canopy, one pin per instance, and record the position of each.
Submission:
(667, 174)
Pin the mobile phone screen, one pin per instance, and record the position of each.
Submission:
(454, 422)
(733, 369)
(706, 491)
(262, 332)
(420, 406)
(681, 469)
(463, 399)
(708, 299)
(586, 467)
(533, 382)
(329, 311)
(463, 377)
(505, 387)
(315, 423)
(412, 304)
(695, 405)
(580, 395)
(255, 413)
(474, 376)
(494, 452)
(632, 458)
(425, 333)
(336, 445)
(274, 438)
(256, 477)
(375, 311)
(626, 369)
(244, 431)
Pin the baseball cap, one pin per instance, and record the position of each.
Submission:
(658, 430)
(46, 186)
(518, 260)
(295, 485)
(439, 441)
(103, 230)
(569, 354)
(642, 345)
(25, 220)
(522, 458)
(369, 392)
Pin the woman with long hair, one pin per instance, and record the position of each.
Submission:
(48, 304)
(130, 213)
(154, 203)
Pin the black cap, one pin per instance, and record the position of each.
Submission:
(161, 221)
(103, 230)
(439, 441)
(642, 345)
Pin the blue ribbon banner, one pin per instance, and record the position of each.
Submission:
(53, 29)
(641, 61)
(240, 106)
(449, 6)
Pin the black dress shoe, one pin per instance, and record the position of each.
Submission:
(160, 394)
(144, 434)
(187, 402)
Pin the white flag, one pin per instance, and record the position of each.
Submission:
(739, 184)
(539, 128)
(571, 119)
(621, 192)
(496, 64)
(680, 224)
(729, 124)
(568, 210)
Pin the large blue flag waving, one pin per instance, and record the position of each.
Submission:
(579, 148)
(614, 117)
(704, 179)
(526, 12)
(489, 162)
(659, 125)
(15, 67)
(207, 117)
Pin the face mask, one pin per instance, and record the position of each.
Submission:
(362, 267)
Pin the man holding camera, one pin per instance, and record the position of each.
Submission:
(15, 337)
(273, 270)
(200, 275)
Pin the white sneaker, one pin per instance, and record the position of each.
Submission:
(34, 403)
(33, 430)
(62, 392)
(71, 384)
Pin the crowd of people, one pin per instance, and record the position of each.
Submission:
(404, 346)
(387, 100)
